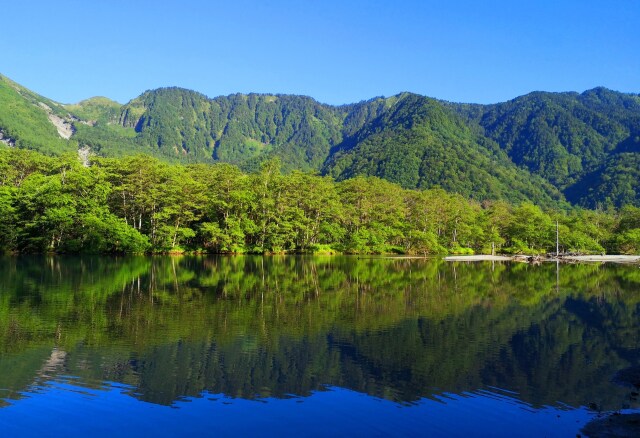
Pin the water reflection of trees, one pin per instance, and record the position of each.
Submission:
(274, 326)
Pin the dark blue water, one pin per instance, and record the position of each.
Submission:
(63, 409)
(313, 346)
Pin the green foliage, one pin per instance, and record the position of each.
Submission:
(531, 230)
(629, 241)
(139, 203)
(418, 142)
(613, 184)
(109, 140)
(373, 215)
(110, 234)
(96, 110)
(626, 239)
(239, 129)
(456, 249)
(573, 140)
(7, 218)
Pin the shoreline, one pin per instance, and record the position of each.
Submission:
(479, 258)
(627, 259)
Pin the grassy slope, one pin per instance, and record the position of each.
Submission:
(25, 121)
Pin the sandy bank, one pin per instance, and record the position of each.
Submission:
(568, 259)
(603, 258)
(478, 258)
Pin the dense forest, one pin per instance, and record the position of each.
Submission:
(142, 204)
(546, 148)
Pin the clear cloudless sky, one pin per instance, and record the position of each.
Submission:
(337, 51)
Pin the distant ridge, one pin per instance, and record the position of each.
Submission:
(542, 147)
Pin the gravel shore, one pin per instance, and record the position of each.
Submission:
(582, 258)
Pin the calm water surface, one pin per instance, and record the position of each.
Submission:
(176, 346)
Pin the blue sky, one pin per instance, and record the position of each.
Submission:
(335, 51)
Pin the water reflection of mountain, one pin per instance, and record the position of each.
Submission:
(280, 326)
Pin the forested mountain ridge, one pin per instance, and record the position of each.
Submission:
(419, 143)
(407, 139)
(576, 141)
(539, 147)
(239, 129)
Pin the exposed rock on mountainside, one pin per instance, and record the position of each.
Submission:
(6, 140)
(65, 129)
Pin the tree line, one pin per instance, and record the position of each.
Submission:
(139, 204)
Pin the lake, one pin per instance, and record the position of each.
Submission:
(314, 346)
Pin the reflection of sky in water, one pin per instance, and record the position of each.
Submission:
(61, 408)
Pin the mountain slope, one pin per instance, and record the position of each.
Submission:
(568, 138)
(407, 139)
(539, 147)
(238, 129)
(28, 120)
(418, 142)
(96, 109)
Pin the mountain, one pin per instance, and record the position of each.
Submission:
(407, 139)
(578, 142)
(28, 120)
(417, 142)
(239, 129)
(541, 147)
